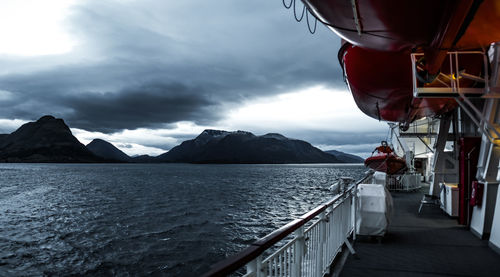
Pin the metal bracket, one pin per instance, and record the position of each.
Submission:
(448, 85)
(351, 249)
(484, 125)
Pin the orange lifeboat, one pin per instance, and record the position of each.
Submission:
(386, 161)
(381, 84)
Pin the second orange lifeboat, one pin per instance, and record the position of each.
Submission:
(386, 161)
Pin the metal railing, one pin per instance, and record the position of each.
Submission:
(309, 243)
(406, 182)
(448, 84)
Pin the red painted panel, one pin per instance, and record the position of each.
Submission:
(469, 154)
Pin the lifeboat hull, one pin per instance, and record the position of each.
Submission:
(381, 84)
(390, 25)
(388, 163)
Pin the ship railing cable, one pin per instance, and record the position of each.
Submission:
(289, 5)
(306, 246)
(312, 31)
(305, 12)
(295, 12)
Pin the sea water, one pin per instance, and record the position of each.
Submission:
(147, 219)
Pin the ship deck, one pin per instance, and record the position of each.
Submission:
(429, 244)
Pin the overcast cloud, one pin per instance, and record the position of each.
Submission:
(148, 65)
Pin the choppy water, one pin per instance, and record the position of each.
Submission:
(133, 219)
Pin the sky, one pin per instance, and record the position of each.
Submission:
(147, 74)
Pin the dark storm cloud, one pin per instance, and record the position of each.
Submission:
(148, 105)
(147, 63)
(110, 112)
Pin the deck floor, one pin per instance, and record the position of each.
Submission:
(429, 244)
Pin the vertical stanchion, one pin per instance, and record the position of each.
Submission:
(321, 243)
(299, 252)
(252, 267)
(354, 202)
(258, 268)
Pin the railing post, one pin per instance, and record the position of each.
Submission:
(322, 232)
(259, 271)
(330, 237)
(254, 268)
(354, 195)
(299, 252)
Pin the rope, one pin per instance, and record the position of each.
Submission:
(305, 11)
(312, 31)
(295, 11)
(284, 4)
(388, 133)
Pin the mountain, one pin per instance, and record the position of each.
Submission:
(46, 140)
(346, 158)
(143, 159)
(216, 146)
(49, 139)
(107, 151)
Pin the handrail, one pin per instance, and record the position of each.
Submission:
(368, 175)
(258, 247)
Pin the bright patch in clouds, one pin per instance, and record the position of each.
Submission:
(124, 142)
(145, 141)
(316, 108)
(8, 126)
(363, 150)
(5, 95)
(34, 27)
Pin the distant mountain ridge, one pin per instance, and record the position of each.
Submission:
(218, 146)
(347, 158)
(107, 150)
(49, 139)
(46, 140)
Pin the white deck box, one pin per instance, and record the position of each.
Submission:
(374, 210)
